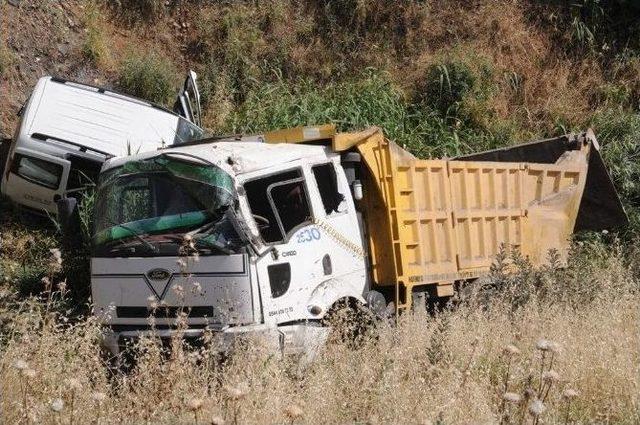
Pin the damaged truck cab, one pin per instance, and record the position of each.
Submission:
(238, 235)
(269, 234)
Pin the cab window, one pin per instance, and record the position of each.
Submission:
(279, 204)
(327, 181)
(38, 171)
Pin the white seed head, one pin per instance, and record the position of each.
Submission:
(73, 384)
(570, 393)
(57, 405)
(237, 392)
(62, 286)
(511, 350)
(511, 397)
(217, 420)
(21, 365)
(56, 255)
(293, 412)
(543, 345)
(29, 373)
(98, 396)
(194, 404)
(197, 288)
(550, 376)
(536, 408)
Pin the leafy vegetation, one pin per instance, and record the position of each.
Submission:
(148, 76)
(6, 58)
(94, 47)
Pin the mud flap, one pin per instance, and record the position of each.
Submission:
(600, 206)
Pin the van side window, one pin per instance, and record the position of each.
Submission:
(279, 204)
(37, 171)
(327, 182)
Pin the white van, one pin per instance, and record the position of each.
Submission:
(67, 130)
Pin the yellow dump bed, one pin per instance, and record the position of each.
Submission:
(440, 221)
(434, 222)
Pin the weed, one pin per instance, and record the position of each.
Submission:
(94, 47)
(6, 58)
(138, 11)
(148, 76)
(451, 367)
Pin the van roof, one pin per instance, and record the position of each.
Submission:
(100, 119)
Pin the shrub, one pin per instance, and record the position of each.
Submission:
(148, 76)
(445, 86)
(94, 47)
(134, 11)
(618, 132)
(6, 58)
(369, 100)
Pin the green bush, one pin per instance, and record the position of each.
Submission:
(134, 11)
(370, 100)
(445, 86)
(94, 46)
(6, 58)
(618, 132)
(148, 76)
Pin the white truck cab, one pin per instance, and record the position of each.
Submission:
(67, 130)
(272, 231)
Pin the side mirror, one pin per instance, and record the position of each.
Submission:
(357, 190)
(69, 219)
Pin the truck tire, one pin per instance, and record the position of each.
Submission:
(351, 323)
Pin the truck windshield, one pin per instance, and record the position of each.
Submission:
(147, 208)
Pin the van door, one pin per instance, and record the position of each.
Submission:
(36, 180)
(188, 101)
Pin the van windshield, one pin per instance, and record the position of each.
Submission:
(149, 207)
(187, 132)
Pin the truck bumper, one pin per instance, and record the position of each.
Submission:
(288, 339)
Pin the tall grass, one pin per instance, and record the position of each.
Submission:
(149, 76)
(544, 362)
(94, 46)
(369, 100)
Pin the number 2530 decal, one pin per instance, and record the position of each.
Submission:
(308, 235)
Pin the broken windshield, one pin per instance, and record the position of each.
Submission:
(155, 202)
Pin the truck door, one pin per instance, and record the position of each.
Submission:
(281, 209)
(306, 246)
(36, 180)
(188, 101)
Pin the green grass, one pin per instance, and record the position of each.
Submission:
(94, 46)
(369, 100)
(618, 132)
(138, 11)
(6, 58)
(148, 76)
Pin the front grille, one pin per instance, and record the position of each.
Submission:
(163, 312)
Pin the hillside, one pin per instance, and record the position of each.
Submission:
(441, 78)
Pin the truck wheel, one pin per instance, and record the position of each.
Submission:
(351, 323)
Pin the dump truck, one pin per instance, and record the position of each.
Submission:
(269, 235)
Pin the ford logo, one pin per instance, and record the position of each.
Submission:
(158, 274)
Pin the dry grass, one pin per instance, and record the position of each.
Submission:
(454, 367)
